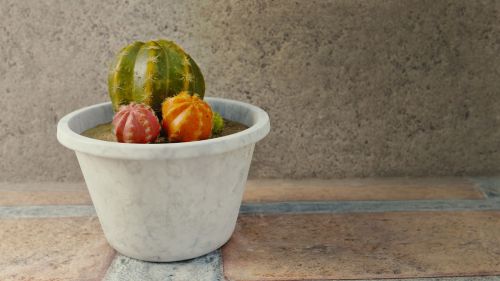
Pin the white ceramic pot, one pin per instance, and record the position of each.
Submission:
(166, 202)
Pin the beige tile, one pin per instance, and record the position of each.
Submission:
(24, 198)
(53, 249)
(363, 246)
(20, 194)
(361, 189)
(24, 194)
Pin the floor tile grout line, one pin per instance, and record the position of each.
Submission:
(47, 211)
(280, 207)
(370, 206)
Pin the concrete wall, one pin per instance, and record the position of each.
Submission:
(353, 88)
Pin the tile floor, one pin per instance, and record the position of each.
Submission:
(440, 229)
(364, 246)
(53, 249)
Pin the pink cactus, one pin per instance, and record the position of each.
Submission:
(136, 123)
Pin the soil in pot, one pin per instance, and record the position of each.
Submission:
(105, 131)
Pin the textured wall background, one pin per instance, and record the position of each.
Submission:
(353, 88)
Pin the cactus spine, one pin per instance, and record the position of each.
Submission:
(149, 72)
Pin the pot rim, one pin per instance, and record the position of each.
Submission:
(74, 141)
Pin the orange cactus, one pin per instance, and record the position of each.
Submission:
(186, 118)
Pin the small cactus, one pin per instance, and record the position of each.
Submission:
(136, 123)
(149, 72)
(186, 118)
(218, 123)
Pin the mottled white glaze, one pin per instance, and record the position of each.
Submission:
(166, 202)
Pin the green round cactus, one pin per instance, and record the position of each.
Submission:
(149, 72)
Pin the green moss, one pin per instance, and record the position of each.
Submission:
(218, 123)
